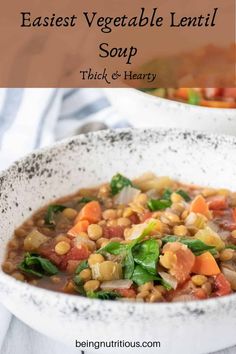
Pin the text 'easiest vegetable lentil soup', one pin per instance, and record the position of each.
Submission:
(152, 239)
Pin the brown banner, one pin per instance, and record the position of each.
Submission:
(117, 43)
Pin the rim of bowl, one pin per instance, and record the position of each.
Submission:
(30, 290)
(178, 103)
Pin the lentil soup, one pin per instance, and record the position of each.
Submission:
(152, 239)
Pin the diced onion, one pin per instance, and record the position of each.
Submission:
(169, 279)
(191, 218)
(137, 231)
(116, 284)
(224, 234)
(152, 194)
(127, 195)
(213, 226)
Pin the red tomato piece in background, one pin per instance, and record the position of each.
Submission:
(130, 293)
(229, 92)
(144, 217)
(222, 285)
(113, 231)
(217, 203)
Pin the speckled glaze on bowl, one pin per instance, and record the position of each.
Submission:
(143, 110)
(193, 327)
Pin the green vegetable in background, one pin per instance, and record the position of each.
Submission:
(83, 265)
(51, 211)
(37, 266)
(193, 97)
(195, 245)
(103, 295)
(183, 194)
(167, 194)
(86, 200)
(158, 204)
(118, 182)
(113, 248)
(233, 247)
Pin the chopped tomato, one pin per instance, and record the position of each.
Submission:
(225, 219)
(130, 293)
(183, 263)
(182, 93)
(134, 219)
(76, 253)
(234, 214)
(230, 92)
(222, 285)
(47, 250)
(145, 217)
(200, 294)
(217, 203)
(71, 266)
(113, 231)
(218, 213)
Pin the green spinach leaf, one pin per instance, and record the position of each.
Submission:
(232, 247)
(85, 200)
(83, 265)
(195, 245)
(158, 204)
(128, 264)
(118, 182)
(167, 194)
(141, 276)
(103, 295)
(113, 248)
(51, 211)
(37, 266)
(183, 194)
(193, 97)
(146, 254)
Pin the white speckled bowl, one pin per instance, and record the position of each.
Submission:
(143, 110)
(193, 327)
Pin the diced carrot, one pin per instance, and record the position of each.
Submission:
(199, 205)
(91, 212)
(81, 226)
(182, 93)
(205, 264)
(234, 214)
